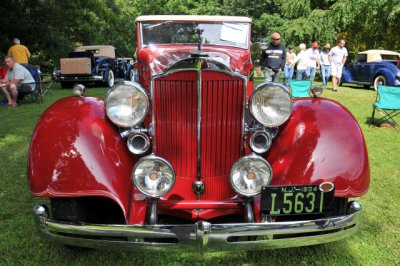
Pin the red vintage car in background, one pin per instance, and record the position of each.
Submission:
(192, 156)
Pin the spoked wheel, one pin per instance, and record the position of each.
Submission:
(379, 80)
(132, 75)
(110, 78)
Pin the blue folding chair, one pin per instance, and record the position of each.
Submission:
(35, 95)
(300, 88)
(387, 103)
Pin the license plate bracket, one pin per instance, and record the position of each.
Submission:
(295, 200)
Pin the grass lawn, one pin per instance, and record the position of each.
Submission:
(376, 243)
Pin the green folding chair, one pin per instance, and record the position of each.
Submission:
(300, 88)
(387, 102)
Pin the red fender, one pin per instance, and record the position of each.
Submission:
(321, 141)
(76, 151)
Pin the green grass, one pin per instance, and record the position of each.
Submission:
(376, 243)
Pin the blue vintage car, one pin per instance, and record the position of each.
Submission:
(373, 67)
(94, 63)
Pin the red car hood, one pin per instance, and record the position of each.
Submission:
(161, 58)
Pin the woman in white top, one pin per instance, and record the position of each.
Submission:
(302, 62)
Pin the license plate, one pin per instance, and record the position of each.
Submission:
(289, 200)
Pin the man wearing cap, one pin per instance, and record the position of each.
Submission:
(273, 58)
(19, 52)
(325, 64)
(313, 61)
(337, 58)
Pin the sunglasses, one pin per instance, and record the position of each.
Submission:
(276, 39)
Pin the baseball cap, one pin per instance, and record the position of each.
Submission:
(315, 45)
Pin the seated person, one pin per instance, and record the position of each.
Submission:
(18, 78)
(398, 61)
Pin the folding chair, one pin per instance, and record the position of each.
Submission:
(35, 95)
(300, 88)
(46, 83)
(387, 102)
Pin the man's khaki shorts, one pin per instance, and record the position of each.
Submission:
(336, 70)
(24, 88)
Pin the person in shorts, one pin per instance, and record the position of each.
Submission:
(337, 58)
(18, 79)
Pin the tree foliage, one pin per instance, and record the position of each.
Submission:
(52, 28)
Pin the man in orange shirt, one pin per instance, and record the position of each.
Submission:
(19, 52)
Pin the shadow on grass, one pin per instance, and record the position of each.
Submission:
(357, 86)
(320, 254)
(379, 122)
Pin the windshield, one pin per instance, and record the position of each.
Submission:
(219, 33)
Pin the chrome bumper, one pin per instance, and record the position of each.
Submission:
(202, 235)
(79, 79)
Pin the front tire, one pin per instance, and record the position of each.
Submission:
(379, 80)
(132, 75)
(110, 80)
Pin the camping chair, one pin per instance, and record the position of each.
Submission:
(46, 80)
(387, 103)
(35, 95)
(300, 88)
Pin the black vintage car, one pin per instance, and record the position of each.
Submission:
(95, 63)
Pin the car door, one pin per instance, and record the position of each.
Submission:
(361, 69)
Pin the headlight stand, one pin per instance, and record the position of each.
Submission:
(152, 216)
(248, 210)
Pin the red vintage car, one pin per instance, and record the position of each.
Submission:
(193, 157)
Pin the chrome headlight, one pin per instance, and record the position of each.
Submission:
(127, 104)
(271, 104)
(79, 89)
(249, 174)
(153, 176)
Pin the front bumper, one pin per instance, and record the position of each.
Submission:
(202, 235)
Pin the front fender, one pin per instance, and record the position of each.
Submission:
(321, 142)
(387, 73)
(76, 151)
(346, 75)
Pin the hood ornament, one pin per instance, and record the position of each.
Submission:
(199, 45)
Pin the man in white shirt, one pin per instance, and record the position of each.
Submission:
(313, 61)
(337, 58)
(18, 79)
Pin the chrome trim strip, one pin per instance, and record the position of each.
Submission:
(201, 235)
(153, 143)
(244, 114)
(199, 91)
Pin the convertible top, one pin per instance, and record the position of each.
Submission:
(193, 18)
(101, 50)
(376, 55)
